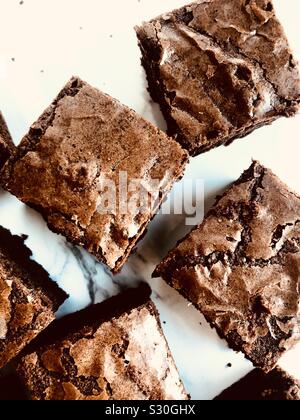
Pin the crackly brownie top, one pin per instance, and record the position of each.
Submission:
(62, 165)
(123, 357)
(257, 385)
(28, 298)
(6, 143)
(11, 388)
(223, 67)
(241, 266)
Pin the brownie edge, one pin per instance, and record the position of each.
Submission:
(7, 146)
(83, 141)
(14, 249)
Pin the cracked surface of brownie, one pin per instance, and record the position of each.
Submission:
(61, 168)
(115, 350)
(276, 385)
(28, 298)
(219, 70)
(6, 144)
(241, 267)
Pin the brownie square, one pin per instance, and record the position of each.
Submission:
(219, 70)
(240, 267)
(276, 385)
(115, 350)
(28, 298)
(11, 388)
(62, 166)
(6, 144)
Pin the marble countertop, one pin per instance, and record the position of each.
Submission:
(43, 43)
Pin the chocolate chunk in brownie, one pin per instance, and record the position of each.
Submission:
(28, 298)
(114, 350)
(276, 385)
(240, 267)
(77, 161)
(6, 144)
(219, 70)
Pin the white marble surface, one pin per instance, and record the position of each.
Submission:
(43, 43)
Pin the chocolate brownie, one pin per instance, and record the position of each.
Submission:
(84, 140)
(240, 267)
(219, 70)
(6, 144)
(276, 385)
(28, 298)
(114, 350)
